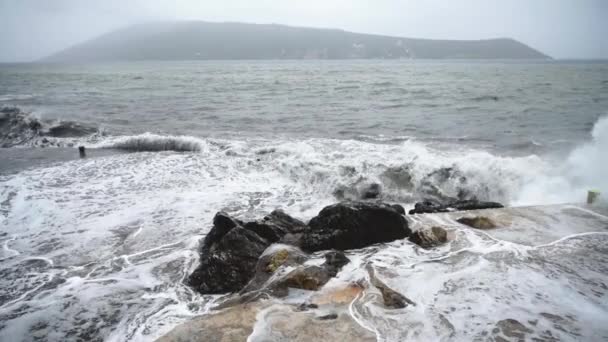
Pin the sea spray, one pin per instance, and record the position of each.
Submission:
(569, 180)
(588, 164)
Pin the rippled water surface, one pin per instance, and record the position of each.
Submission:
(96, 249)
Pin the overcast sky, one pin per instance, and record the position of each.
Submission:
(31, 29)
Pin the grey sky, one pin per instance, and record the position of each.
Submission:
(561, 28)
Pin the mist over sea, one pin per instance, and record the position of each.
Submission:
(97, 248)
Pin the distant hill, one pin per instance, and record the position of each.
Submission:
(204, 40)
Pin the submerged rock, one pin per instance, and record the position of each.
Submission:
(479, 222)
(267, 321)
(282, 267)
(431, 206)
(350, 225)
(429, 238)
(392, 299)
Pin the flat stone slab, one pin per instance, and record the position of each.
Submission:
(530, 226)
(327, 319)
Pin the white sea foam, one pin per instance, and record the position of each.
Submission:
(121, 231)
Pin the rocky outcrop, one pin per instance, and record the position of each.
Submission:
(479, 222)
(230, 251)
(232, 254)
(432, 206)
(351, 225)
(429, 238)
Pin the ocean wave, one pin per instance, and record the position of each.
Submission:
(18, 128)
(15, 97)
(149, 142)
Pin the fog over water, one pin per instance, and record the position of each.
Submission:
(562, 29)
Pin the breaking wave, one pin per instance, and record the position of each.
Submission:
(18, 128)
(149, 142)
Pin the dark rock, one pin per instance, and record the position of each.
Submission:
(228, 264)
(428, 238)
(335, 260)
(230, 251)
(372, 191)
(398, 208)
(222, 224)
(306, 306)
(432, 206)
(479, 222)
(350, 225)
(276, 225)
(328, 316)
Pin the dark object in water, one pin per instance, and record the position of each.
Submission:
(82, 151)
(429, 238)
(479, 222)
(328, 317)
(391, 298)
(430, 206)
(351, 225)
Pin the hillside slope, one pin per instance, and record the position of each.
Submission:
(204, 40)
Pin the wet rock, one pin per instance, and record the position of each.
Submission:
(265, 321)
(275, 226)
(229, 263)
(313, 277)
(270, 263)
(350, 225)
(282, 267)
(433, 206)
(222, 224)
(307, 306)
(309, 278)
(230, 251)
(328, 316)
(392, 299)
(479, 222)
(429, 238)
